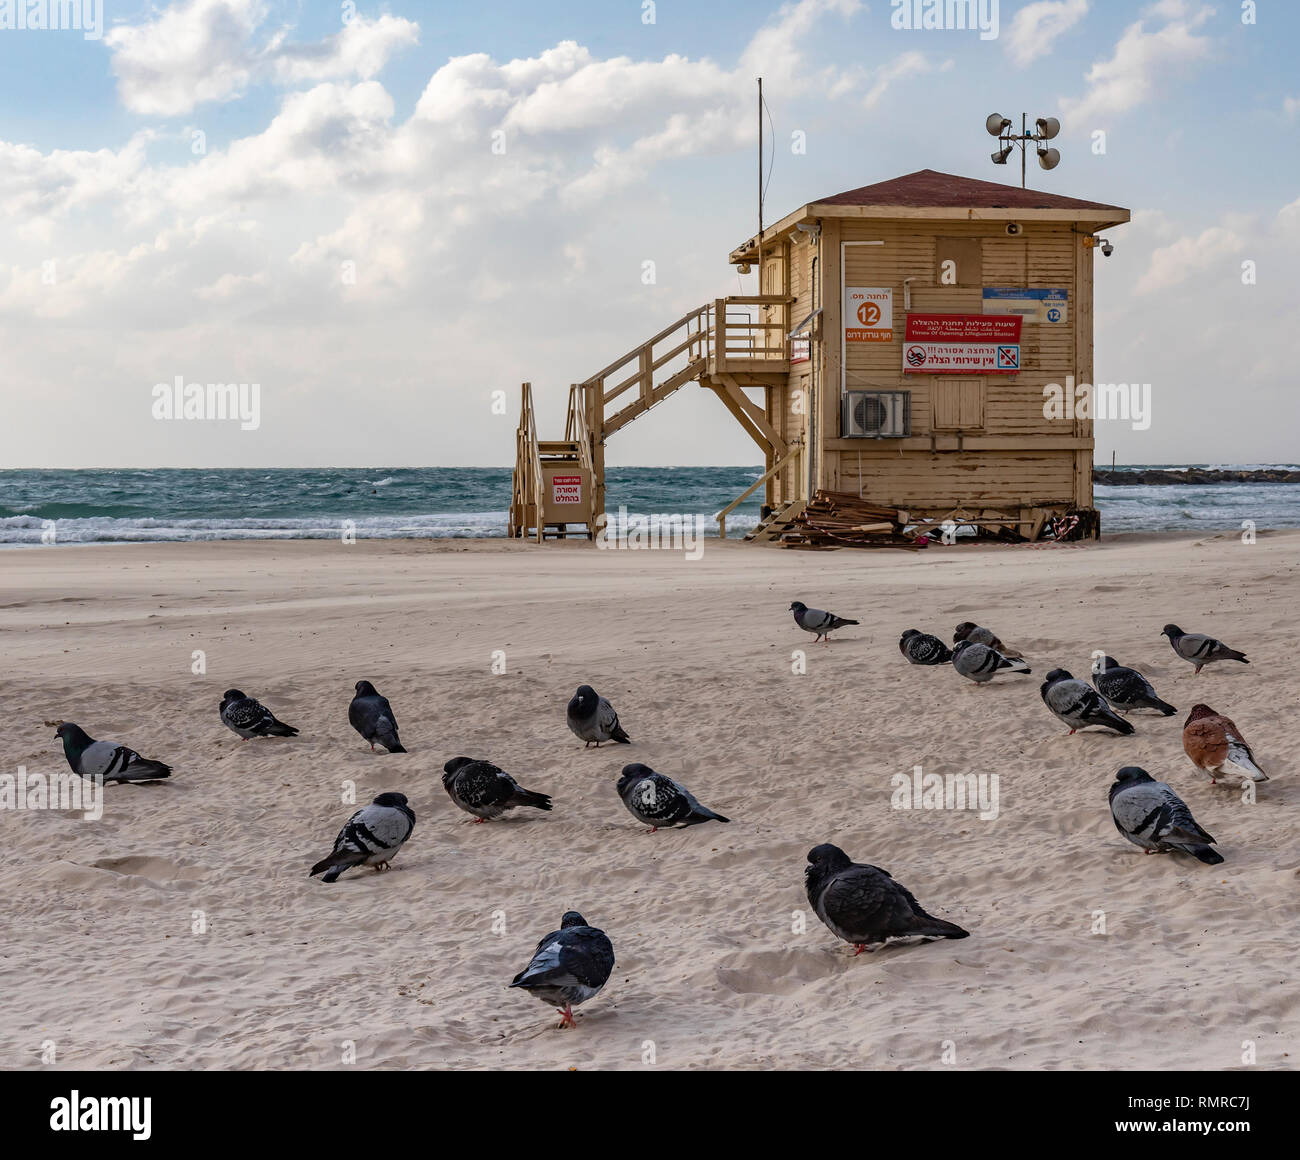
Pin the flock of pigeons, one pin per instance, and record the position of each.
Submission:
(859, 903)
(1147, 812)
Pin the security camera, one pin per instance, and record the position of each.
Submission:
(1012, 229)
(1107, 249)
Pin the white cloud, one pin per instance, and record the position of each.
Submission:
(1191, 257)
(1141, 60)
(210, 50)
(1036, 27)
(1291, 108)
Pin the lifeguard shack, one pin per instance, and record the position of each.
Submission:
(902, 350)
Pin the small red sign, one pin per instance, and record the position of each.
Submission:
(964, 328)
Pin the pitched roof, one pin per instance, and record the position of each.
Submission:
(928, 187)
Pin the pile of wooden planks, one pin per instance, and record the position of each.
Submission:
(833, 519)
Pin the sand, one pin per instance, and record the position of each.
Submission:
(182, 931)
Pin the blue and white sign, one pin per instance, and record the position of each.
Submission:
(1049, 306)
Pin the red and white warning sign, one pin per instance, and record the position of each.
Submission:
(962, 344)
(566, 489)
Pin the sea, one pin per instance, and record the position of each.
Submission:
(100, 506)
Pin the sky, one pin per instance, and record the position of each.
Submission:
(385, 214)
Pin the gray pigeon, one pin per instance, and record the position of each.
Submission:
(819, 623)
(974, 633)
(658, 801)
(1199, 649)
(1149, 814)
(569, 966)
(1126, 689)
(592, 718)
(920, 648)
(372, 716)
(370, 837)
(251, 718)
(105, 761)
(481, 789)
(1077, 704)
(981, 663)
(863, 904)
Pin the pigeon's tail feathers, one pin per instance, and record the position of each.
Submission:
(1240, 757)
(1116, 722)
(335, 864)
(1015, 665)
(704, 814)
(280, 729)
(537, 800)
(619, 734)
(1205, 854)
(933, 927)
(1231, 654)
(386, 735)
(144, 771)
(1165, 708)
(844, 620)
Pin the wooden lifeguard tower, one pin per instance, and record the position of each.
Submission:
(899, 351)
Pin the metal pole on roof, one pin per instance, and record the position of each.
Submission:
(1024, 136)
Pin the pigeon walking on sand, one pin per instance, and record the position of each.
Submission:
(250, 718)
(920, 648)
(1149, 814)
(1078, 704)
(370, 837)
(1127, 689)
(1218, 749)
(481, 789)
(819, 623)
(1199, 649)
(863, 904)
(372, 716)
(569, 966)
(974, 633)
(592, 719)
(105, 761)
(659, 801)
(981, 662)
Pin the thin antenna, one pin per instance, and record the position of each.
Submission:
(760, 184)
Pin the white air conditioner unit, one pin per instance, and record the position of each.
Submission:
(877, 415)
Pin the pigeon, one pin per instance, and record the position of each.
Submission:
(977, 635)
(372, 716)
(1127, 689)
(659, 801)
(920, 648)
(819, 623)
(1199, 649)
(481, 789)
(1149, 814)
(1078, 705)
(370, 837)
(863, 904)
(105, 761)
(1217, 747)
(251, 718)
(981, 662)
(592, 718)
(569, 966)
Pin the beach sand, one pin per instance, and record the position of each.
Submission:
(721, 963)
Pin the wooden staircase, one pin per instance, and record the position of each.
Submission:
(727, 346)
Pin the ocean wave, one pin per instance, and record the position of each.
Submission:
(26, 530)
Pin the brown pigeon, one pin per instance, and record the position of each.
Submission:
(1217, 747)
(968, 630)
